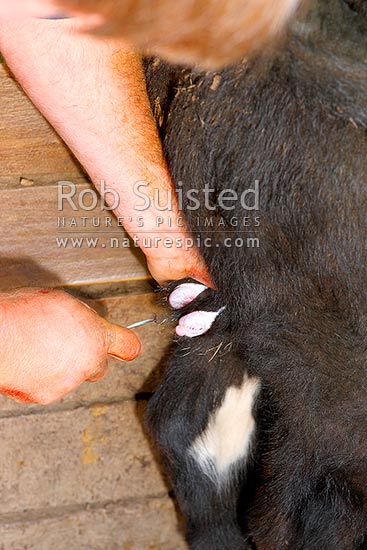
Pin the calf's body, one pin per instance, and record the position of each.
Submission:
(262, 420)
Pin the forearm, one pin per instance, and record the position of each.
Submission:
(93, 92)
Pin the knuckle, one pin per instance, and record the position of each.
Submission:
(45, 398)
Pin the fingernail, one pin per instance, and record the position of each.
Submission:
(116, 357)
(57, 16)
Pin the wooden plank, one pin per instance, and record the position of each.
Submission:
(29, 147)
(150, 524)
(35, 251)
(74, 457)
(32, 160)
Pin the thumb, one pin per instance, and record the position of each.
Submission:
(123, 343)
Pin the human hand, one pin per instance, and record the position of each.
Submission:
(51, 343)
(174, 264)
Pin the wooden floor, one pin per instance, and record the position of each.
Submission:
(80, 473)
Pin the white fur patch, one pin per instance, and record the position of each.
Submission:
(229, 433)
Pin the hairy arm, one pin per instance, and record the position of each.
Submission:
(92, 91)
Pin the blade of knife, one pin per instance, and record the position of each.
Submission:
(144, 322)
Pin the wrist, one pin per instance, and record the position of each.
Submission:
(145, 202)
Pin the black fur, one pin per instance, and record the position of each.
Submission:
(296, 313)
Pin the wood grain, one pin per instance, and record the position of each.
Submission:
(32, 160)
(29, 147)
(35, 251)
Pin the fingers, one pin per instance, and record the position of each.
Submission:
(200, 272)
(16, 395)
(123, 343)
(99, 372)
(189, 264)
